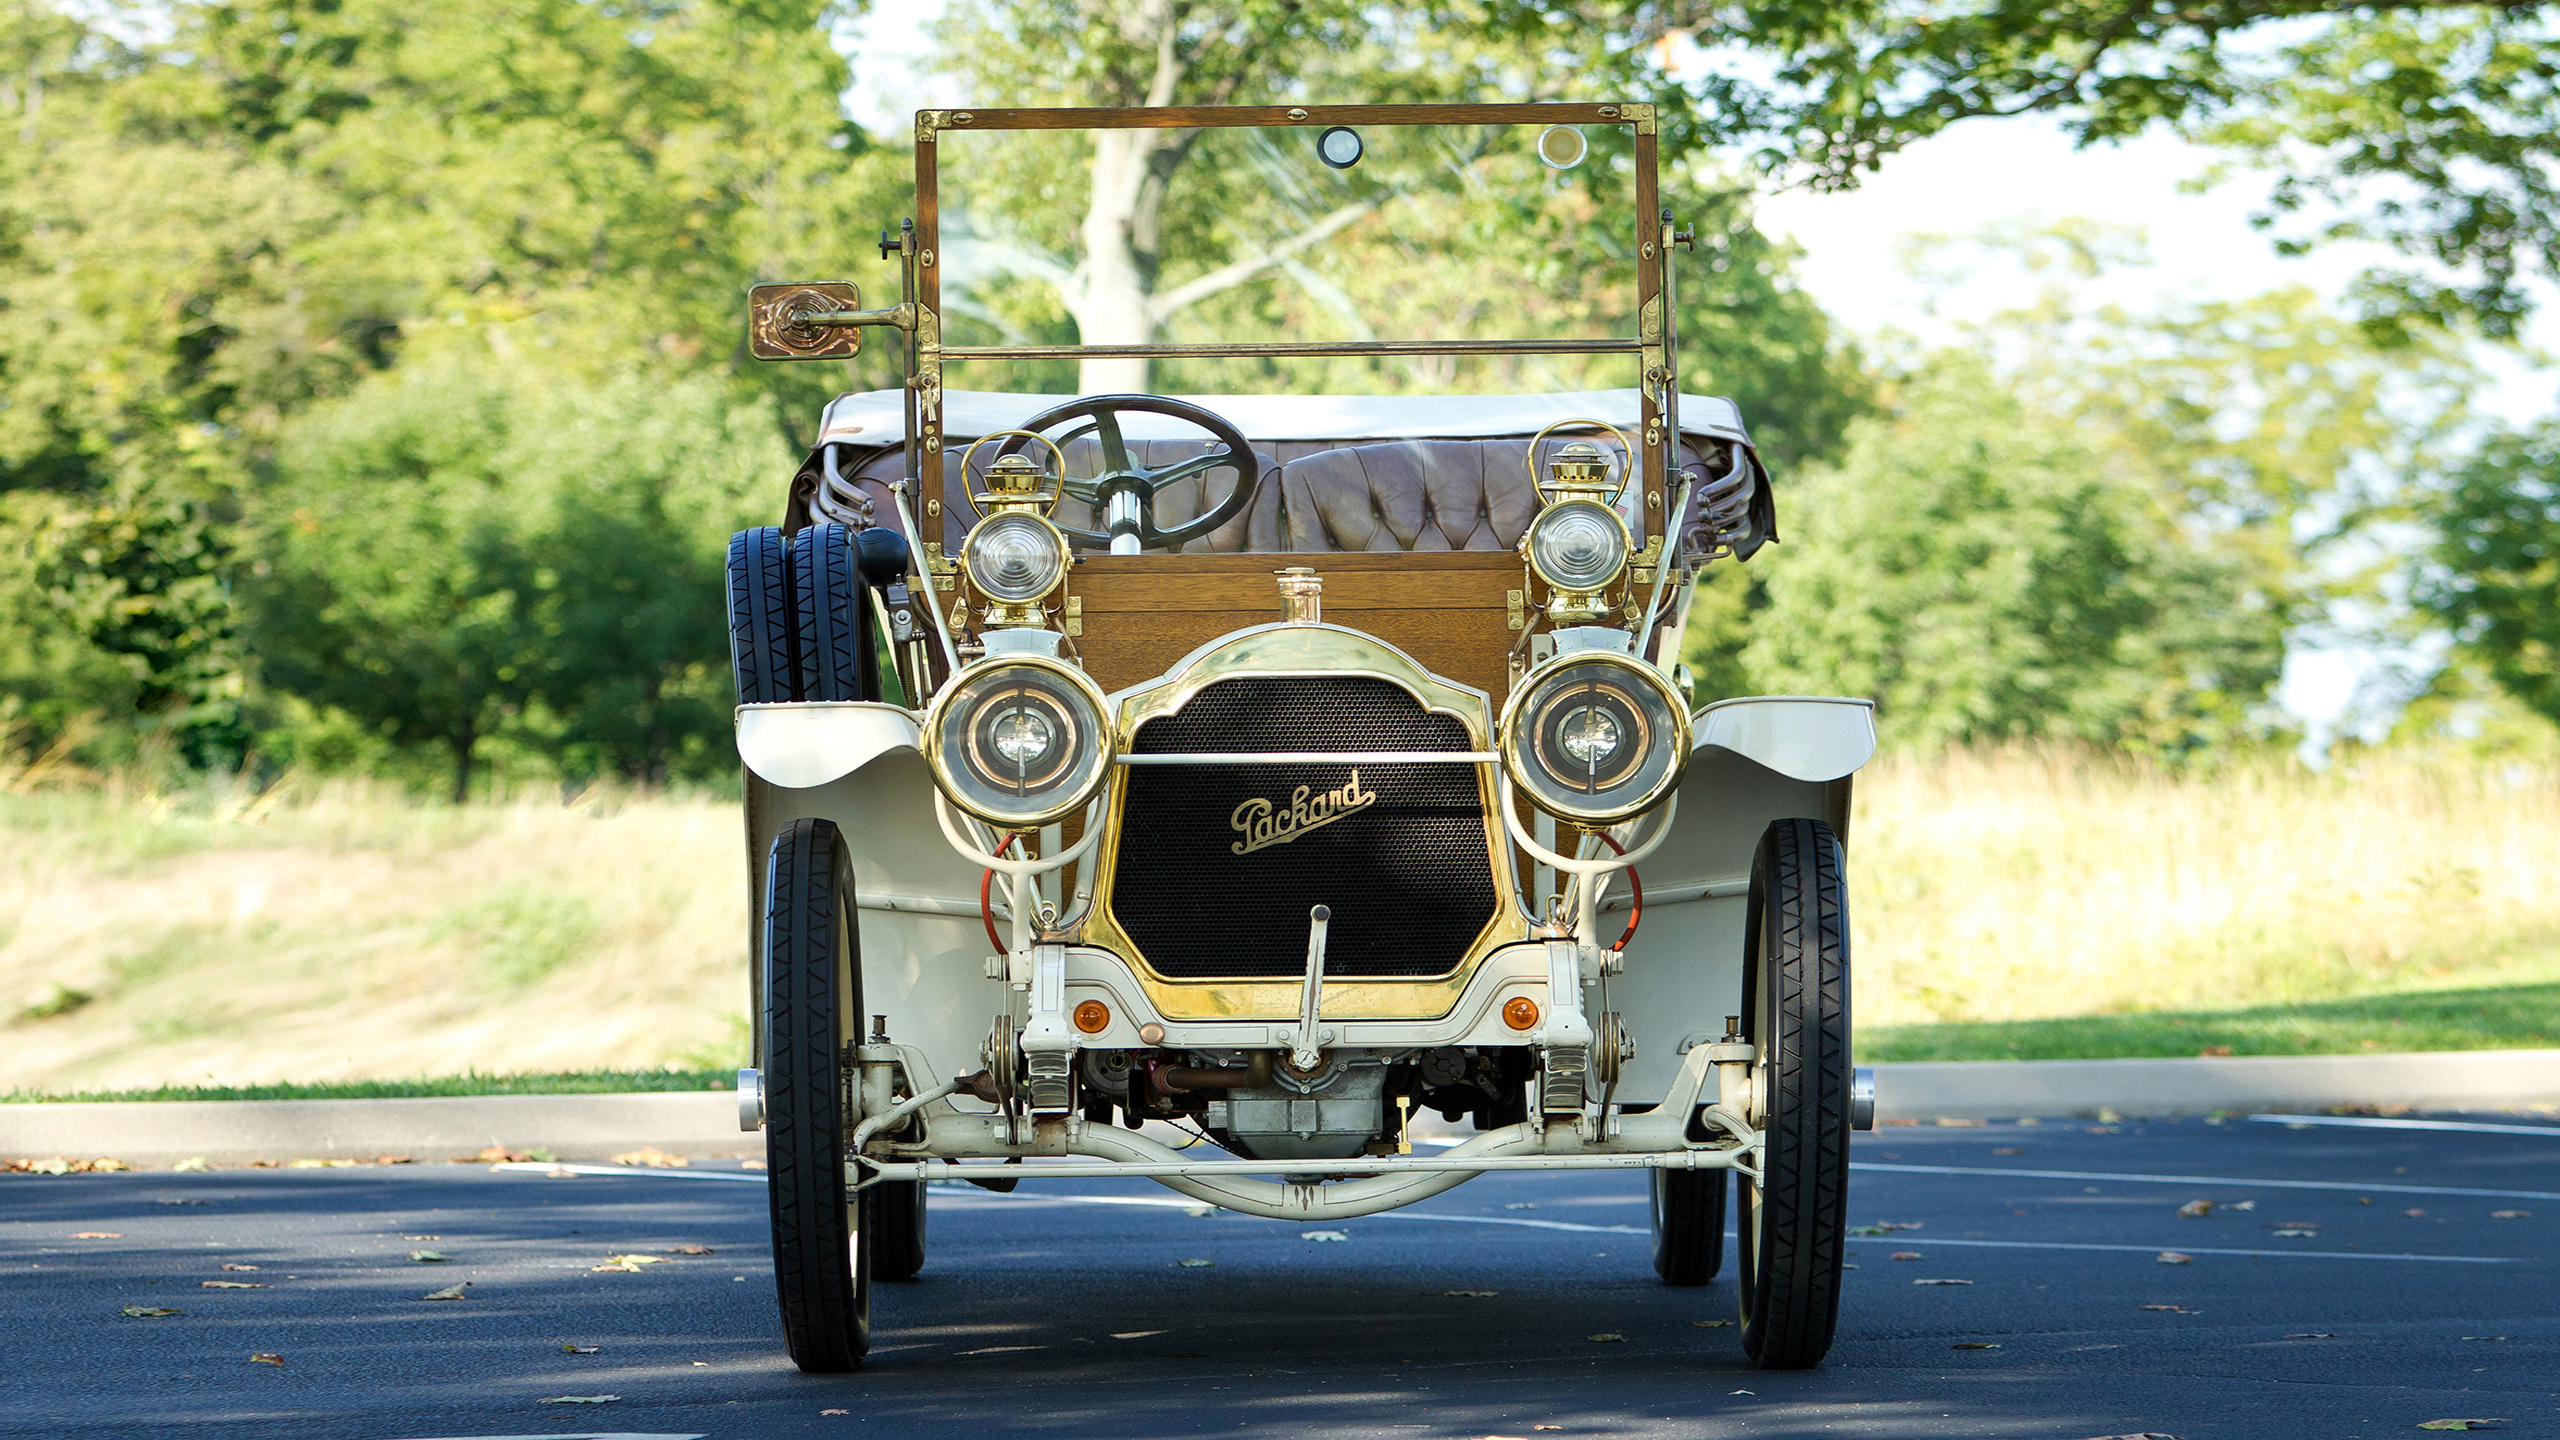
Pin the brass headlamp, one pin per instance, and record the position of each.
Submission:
(1578, 544)
(1014, 556)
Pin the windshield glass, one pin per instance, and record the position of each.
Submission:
(1289, 234)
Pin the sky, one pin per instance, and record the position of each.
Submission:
(2017, 171)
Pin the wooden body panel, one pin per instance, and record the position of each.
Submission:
(1449, 610)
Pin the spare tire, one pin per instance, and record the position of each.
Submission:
(837, 661)
(761, 648)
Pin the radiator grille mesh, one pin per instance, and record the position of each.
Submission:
(1407, 874)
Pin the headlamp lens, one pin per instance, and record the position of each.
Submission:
(1018, 742)
(1595, 738)
(1014, 558)
(1578, 545)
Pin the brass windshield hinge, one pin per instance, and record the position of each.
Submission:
(1072, 617)
(1515, 609)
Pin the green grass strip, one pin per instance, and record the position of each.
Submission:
(584, 1082)
(2506, 1017)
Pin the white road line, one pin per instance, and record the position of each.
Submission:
(2377, 1122)
(2190, 1250)
(2233, 1180)
(581, 1435)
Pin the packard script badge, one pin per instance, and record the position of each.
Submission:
(1263, 824)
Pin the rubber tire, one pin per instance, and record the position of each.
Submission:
(1688, 1225)
(762, 650)
(1795, 1003)
(813, 982)
(836, 658)
(894, 1214)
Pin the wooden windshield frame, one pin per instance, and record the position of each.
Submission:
(1654, 344)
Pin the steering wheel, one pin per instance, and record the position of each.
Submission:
(1124, 494)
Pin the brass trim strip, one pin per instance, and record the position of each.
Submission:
(1320, 757)
(1283, 348)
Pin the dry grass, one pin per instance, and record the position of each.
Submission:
(338, 931)
(2022, 885)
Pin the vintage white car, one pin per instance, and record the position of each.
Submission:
(1283, 766)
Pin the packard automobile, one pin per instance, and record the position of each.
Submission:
(1296, 761)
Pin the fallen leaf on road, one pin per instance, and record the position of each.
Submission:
(1606, 1337)
(1134, 1334)
(630, 1264)
(651, 1156)
(265, 1357)
(97, 1234)
(393, 1160)
(495, 1155)
(835, 1412)
(583, 1349)
(689, 1250)
(421, 1237)
(145, 1312)
(1472, 1294)
(233, 1265)
(1907, 1255)
(192, 1165)
(1322, 1235)
(232, 1285)
(576, 1399)
(2242, 1205)
(1198, 1264)
(2172, 1257)
(2459, 1424)
(2196, 1209)
(559, 1172)
(1941, 1282)
(1710, 1324)
(322, 1165)
(2413, 1214)
(750, 1164)
(2510, 1214)
(427, 1257)
(1975, 1345)
(450, 1292)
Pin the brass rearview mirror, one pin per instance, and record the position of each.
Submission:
(813, 320)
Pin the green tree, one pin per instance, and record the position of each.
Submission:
(464, 549)
(2433, 128)
(2497, 554)
(1983, 572)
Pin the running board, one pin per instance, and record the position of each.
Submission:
(863, 1172)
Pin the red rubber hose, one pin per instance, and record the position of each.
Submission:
(986, 901)
(1637, 917)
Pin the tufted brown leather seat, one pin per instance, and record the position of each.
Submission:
(1313, 496)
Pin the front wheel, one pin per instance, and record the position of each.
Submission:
(1793, 1223)
(813, 984)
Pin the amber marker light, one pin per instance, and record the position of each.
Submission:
(1520, 1012)
(1093, 1017)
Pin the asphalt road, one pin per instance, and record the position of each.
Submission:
(2335, 1307)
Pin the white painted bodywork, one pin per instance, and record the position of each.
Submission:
(928, 967)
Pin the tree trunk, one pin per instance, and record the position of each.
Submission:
(463, 742)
